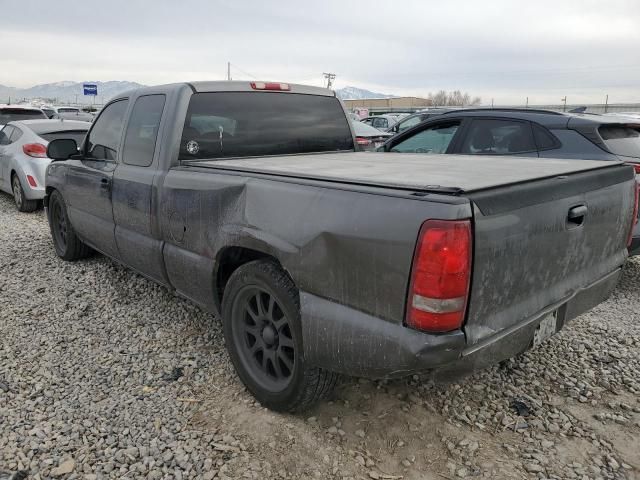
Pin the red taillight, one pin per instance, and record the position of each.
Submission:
(440, 276)
(270, 86)
(32, 181)
(636, 167)
(36, 150)
(634, 220)
(363, 141)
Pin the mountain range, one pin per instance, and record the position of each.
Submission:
(355, 93)
(64, 92)
(70, 92)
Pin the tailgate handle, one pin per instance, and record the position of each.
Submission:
(577, 214)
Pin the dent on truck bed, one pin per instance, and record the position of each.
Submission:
(351, 248)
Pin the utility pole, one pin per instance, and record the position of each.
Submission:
(492, 103)
(330, 77)
(606, 103)
(229, 71)
(527, 104)
(564, 101)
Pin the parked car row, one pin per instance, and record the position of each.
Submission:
(255, 203)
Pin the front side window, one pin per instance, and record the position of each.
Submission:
(498, 137)
(142, 130)
(408, 123)
(245, 124)
(104, 138)
(435, 139)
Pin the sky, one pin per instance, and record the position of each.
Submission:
(500, 50)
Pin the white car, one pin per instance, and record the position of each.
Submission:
(23, 156)
(11, 113)
(51, 111)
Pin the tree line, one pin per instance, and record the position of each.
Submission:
(455, 98)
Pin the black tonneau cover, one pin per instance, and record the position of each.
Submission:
(454, 173)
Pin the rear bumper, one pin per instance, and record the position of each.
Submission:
(347, 341)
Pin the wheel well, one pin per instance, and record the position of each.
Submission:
(230, 259)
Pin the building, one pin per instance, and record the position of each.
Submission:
(384, 105)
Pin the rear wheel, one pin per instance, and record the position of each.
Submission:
(23, 204)
(67, 244)
(261, 317)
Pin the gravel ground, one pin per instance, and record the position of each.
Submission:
(105, 375)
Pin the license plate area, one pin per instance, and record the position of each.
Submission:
(547, 327)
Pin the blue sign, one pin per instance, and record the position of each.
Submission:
(90, 89)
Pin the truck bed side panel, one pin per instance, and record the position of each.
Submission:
(349, 247)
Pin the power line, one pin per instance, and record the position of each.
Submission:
(330, 77)
(240, 70)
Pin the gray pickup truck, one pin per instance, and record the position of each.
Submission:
(250, 200)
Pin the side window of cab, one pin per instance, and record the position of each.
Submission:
(103, 140)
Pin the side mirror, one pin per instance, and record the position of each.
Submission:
(62, 148)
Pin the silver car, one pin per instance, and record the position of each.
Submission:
(384, 122)
(23, 156)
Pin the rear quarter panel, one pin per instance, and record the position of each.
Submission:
(351, 247)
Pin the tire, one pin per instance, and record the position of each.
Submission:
(23, 204)
(65, 241)
(263, 334)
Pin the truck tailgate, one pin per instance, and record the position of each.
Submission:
(529, 255)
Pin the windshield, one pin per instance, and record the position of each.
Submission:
(623, 140)
(243, 124)
(68, 109)
(77, 135)
(16, 114)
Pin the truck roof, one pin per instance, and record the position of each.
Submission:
(245, 86)
(231, 86)
(441, 173)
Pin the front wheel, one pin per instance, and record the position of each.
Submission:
(67, 244)
(23, 204)
(263, 333)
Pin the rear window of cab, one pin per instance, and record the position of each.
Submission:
(244, 124)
